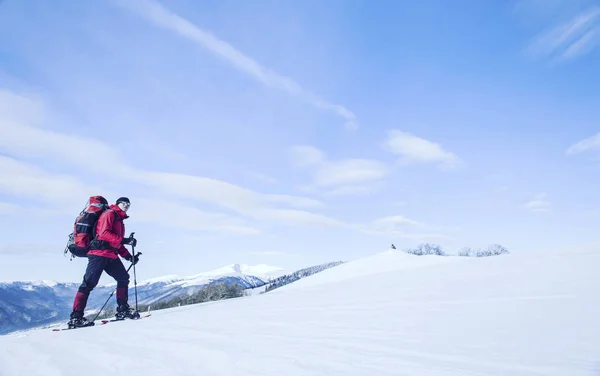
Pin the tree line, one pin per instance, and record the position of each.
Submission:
(207, 293)
(434, 249)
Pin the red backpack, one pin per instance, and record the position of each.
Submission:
(84, 229)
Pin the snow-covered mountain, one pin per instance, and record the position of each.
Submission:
(30, 303)
(389, 314)
(167, 287)
(26, 304)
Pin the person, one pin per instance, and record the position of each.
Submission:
(103, 255)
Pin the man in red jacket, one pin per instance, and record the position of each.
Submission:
(104, 254)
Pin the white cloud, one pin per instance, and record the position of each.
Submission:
(398, 226)
(539, 204)
(8, 208)
(294, 201)
(28, 249)
(349, 171)
(588, 144)
(26, 141)
(298, 217)
(395, 222)
(306, 155)
(36, 210)
(340, 177)
(261, 177)
(352, 190)
(241, 200)
(21, 108)
(571, 39)
(163, 17)
(21, 138)
(26, 180)
(413, 149)
(187, 217)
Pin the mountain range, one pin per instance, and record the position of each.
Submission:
(26, 304)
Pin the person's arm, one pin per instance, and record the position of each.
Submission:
(105, 226)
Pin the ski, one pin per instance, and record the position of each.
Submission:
(80, 327)
(102, 322)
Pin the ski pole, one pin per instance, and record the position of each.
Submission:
(134, 276)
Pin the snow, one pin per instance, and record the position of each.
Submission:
(262, 271)
(31, 284)
(243, 271)
(389, 314)
(163, 279)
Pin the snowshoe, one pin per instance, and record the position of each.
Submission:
(79, 322)
(126, 312)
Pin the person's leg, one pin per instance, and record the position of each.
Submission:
(91, 277)
(116, 270)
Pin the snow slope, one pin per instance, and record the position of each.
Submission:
(164, 288)
(261, 271)
(390, 314)
(27, 304)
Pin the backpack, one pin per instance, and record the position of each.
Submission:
(84, 228)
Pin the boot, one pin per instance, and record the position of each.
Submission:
(78, 321)
(126, 312)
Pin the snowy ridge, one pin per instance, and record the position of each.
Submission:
(261, 271)
(24, 304)
(390, 314)
(299, 274)
(381, 263)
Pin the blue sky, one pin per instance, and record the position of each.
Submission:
(296, 133)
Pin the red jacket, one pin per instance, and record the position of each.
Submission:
(110, 231)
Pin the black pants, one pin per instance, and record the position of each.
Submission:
(96, 265)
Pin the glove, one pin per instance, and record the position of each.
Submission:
(135, 259)
(129, 241)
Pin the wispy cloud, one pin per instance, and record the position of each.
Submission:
(339, 177)
(306, 155)
(8, 208)
(163, 17)
(262, 177)
(539, 204)
(413, 149)
(398, 226)
(28, 249)
(23, 140)
(26, 180)
(353, 190)
(590, 143)
(568, 40)
(295, 201)
(22, 135)
(349, 171)
(28, 109)
(187, 217)
(59, 191)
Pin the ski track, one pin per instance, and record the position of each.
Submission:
(503, 316)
